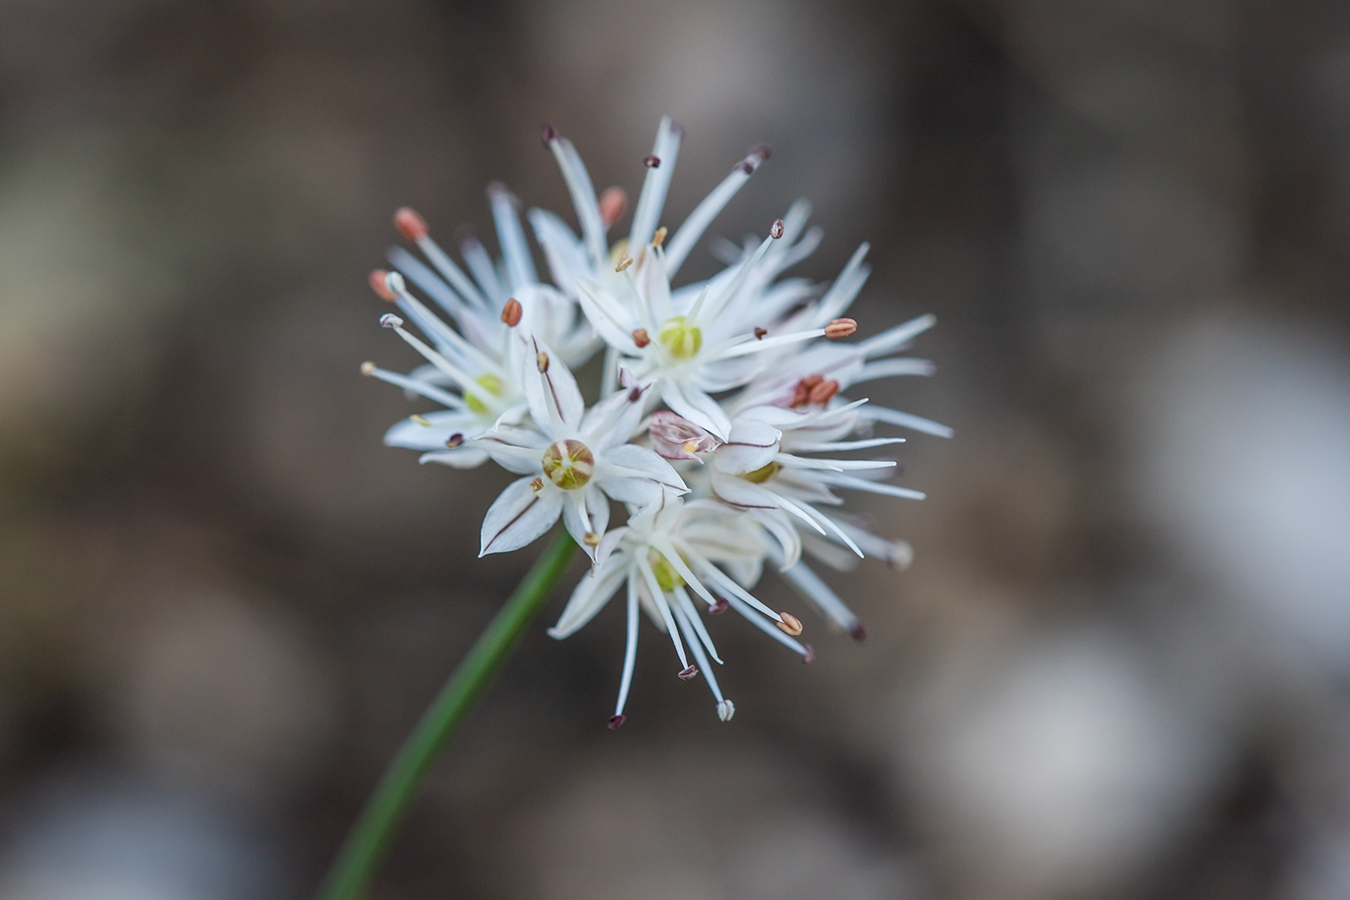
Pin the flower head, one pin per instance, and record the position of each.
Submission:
(722, 427)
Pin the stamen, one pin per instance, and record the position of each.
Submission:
(549, 136)
(651, 162)
(659, 238)
(823, 392)
(368, 368)
(537, 484)
(759, 333)
(592, 539)
(377, 284)
(389, 320)
(641, 338)
(790, 624)
(455, 441)
(719, 607)
(687, 673)
(409, 224)
(840, 328)
(624, 262)
(421, 420)
(725, 710)
(511, 313)
(776, 229)
(858, 632)
(541, 360)
(613, 204)
(615, 722)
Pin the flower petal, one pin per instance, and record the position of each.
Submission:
(519, 516)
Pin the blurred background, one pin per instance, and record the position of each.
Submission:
(1119, 666)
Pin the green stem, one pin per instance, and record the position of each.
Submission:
(385, 810)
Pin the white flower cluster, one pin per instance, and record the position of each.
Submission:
(721, 416)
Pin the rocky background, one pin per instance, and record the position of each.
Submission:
(1118, 667)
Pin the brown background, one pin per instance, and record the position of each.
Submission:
(1117, 669)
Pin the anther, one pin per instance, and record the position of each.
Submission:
(790, 624)
(537, 484)
(763, 151)
(634, 394)
(541, 360)
(760, 332)
(377, 279)
(686, 674)
(421, 420)
(389, 320)
(367, 368)
(409, 224)
(641, 338)
(616, 721)
(660, 237)
(624, 262)
(823, 392)
(455, 441)
(719, 607)
(725, 710)
(840, 328)
(550, 134)
(394, 283)
(613, 204)
(745, 167)
(689, 446)
(591, 539)
(776, 229)
(511, 313)
(651, 162)
(810, 656)
(858, 632)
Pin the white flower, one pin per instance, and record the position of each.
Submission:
(663, 554)
(722, 425)
(573, 461)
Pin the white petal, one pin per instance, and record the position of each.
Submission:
(567, 259)
(737, 491)
(808, 583)
(696, 406)
(553, 390)
(463, 458)
(416, 436)
(906, 420)
(590, 596)
(893, 339)
(586, 512)
(647, 213)
(612, 320)
(519, 516)
(752, 445)
(515, 251)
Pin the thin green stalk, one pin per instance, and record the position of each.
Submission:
(370, 837)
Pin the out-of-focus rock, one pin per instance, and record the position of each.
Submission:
(1060, 768)
(722, 821)
(225, 697)
(1240, 436)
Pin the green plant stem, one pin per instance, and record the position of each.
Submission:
(373, 832)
